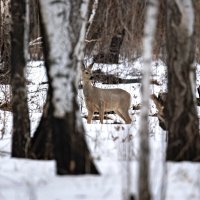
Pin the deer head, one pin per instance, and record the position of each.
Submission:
(87, 72)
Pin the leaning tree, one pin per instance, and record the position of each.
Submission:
(63, 54)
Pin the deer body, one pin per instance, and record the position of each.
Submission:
(105, 100)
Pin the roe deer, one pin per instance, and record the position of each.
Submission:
(104, 100)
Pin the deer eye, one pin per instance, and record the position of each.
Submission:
(86, 72)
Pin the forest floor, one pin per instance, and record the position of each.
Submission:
(111, 145)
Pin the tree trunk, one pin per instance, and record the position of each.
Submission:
(98, 23)
(112, 56)
(35, 44)
(5, 43)
(1, 35)
(63, 52)
(183, 128)
(144, 164)
(21, 124)
(94, 30)
(34, 20)
(41, 145)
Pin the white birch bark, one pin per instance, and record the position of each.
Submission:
(56, 17)
(149, 32)
(79, 49)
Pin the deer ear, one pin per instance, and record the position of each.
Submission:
(91, 65)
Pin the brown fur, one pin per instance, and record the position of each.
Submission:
(104, 100)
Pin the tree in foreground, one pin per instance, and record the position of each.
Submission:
(183, 128)
(63, 32)
(144, 164)
(21, 123)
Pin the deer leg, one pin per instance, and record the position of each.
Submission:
(90, 115)
(118, 113)
(126, 117)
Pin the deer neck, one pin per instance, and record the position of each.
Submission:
(87, 88)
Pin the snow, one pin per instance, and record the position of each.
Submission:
(110, 144)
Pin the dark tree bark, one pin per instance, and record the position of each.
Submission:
(5, 43)
(35, 44)
(70, 147)
(94, 30)
(69, 140)
(112, 56)
(34, 20)
(41, 145)
(97, 27)
(21, 124)
(183, 125)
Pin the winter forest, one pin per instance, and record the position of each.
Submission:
(99, 99)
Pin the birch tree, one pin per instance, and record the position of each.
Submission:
(183, 128)
(21, 124)
(64, 30)
(149, 32)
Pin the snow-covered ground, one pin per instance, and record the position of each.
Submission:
(110, 144)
